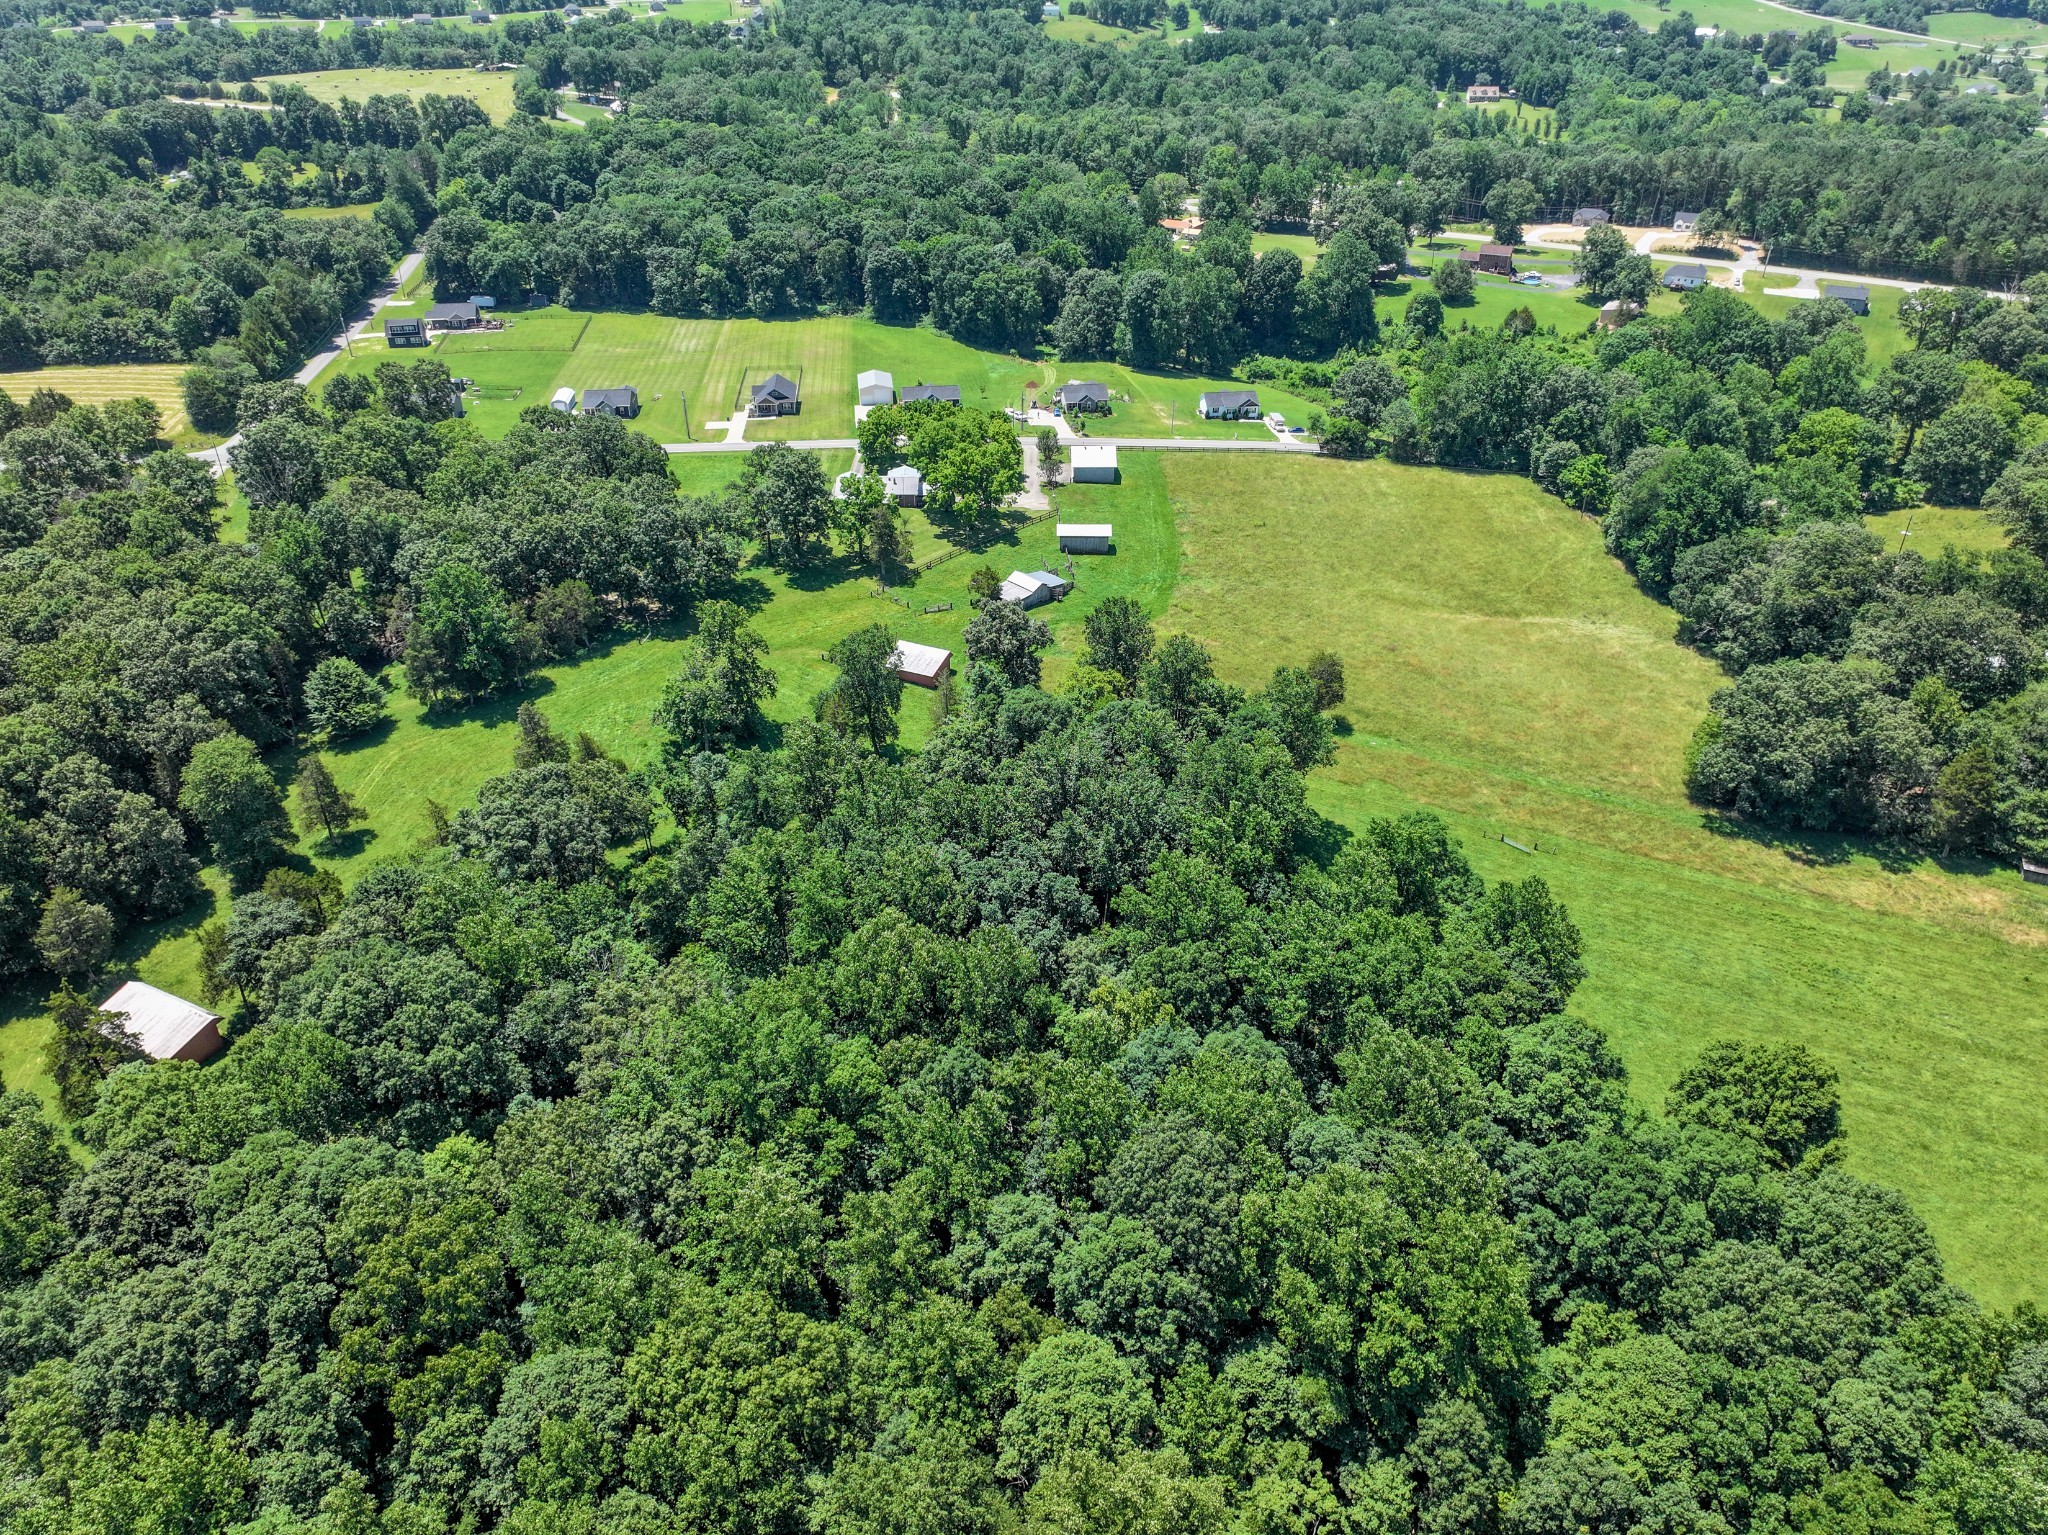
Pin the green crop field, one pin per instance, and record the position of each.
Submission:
(1505, 672)
(95, 385)
(492, 92)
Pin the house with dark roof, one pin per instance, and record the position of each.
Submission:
(1496, 259)
(1475, 94)
(1854, 294)
(1685, 275)
(481, 18)
(462, 316)
(1685, 223)
(774, 396)
(1229, 405)
(406, 333)
(947, 394)
(1586, 218)
(623, 402)
(1082, 397)
(423, 19)
(92, 28)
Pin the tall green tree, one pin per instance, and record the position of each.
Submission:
(237, 803)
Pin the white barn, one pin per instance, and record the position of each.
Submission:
(1093, 464)
(876, 388)
(1084, 537)
(168, 1028)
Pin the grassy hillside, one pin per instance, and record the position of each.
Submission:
(1505, 672)
(157, 381)
(492, 92)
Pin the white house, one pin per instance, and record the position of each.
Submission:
(904, 485)
(1093, 464)
(564, 399)
(924, 665)
(1084, 537)
(167, 1028)
(876, 388)
(1033, 588)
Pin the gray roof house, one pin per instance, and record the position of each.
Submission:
(948, 393)
(622, 401)
(774, 396)
(464, 316)
(1685, 274)
(1083, 395)
(1685, 223)
(92, 28)
(1586, 218)
(1230, 405)
(1854, 294)
(406, 333)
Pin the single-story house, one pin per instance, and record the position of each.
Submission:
(164, 24)
(1474, 94)
(1033, 588)
(1586, 218)
(462, 316)
(362, 21)
(1083, 537)
(481, 18)
(1497, 259)
(1858, 40)
(563, 399)
(1854, 294)
(1230, 405)
(947, 393)
(1685, 223)
(1685, 275)
(1706, 31)
(876, 388)
(923, 666)
(774, 396)
(92, 28)
(904, 485)
(1917, 71)
(1182, 229)
(406, 333)
(571, 12)
(1082, 395)
(1050, 11)
(1980, 90)
(622, 401)
(167, 1028)
(1093, 463)
(423, 19)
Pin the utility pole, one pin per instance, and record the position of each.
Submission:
(686, 417)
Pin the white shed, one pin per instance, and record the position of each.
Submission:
(1093, 464)
(1084, 537)
(924, 665)
(876, 388)
(168, 1028)
(564, 399)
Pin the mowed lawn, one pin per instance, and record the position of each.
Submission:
(1506, 673)
(492, 92)
(96, 385)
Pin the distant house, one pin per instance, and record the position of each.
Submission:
(1706, 31)
(1497, 259)
(1615, 313)
(362, 21)
(1229, 405)
(563, 399)
(774, 396)
(1475, 94)
(406, 333)
(1182, 229)
(1854, 294)
(1050, 11)
(923, 666)
(423, 19)
(623, 402)
(1586, 218)
(1980, 90)
(92, 28)
(1858, 40)
(1033, 588)
(572, 12)
(1083, 397)
(167, 1028)
(481, 18)
(904, 485)
(164, 24)
(947, 393)
(1684, 275)
(876, 388)
(1094, 464)
(1685, 223)
(1084, 537)
(462, 316)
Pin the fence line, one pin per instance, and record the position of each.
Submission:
(954, 554)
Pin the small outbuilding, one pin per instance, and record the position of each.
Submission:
(1084, 537)
(1034, 588)
(2033, 873)
(924, 666)
(945, 394)
(1615, 313)
(1683, 276)
(406, 333)
(622, 401)
(1082, 397)
(1586, 218)
(1229, 405)
(1685, 223)
(563, 399)
(774, 396)
(462, 316)
(167, 1028)
(1094, 464)
(1854, 294)
(876, 388)
(904, 485)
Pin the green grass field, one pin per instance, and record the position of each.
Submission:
(1303, 246)
(1883, 336)
(492, 92)
(1084, 29)
(342, 211)
(1930, 529)
(1505, 672)
(98, 384)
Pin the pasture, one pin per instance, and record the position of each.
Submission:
(1506, 673)
(95, 385)
(492, 92)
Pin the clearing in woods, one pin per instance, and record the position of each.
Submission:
(492, 92)
(1506, 673)
(156, 381)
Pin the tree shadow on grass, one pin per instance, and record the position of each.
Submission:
(1322, 840)
(820, 574)
(1824, 850)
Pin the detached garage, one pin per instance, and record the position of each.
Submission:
(1093, 465)
(1084, 537)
